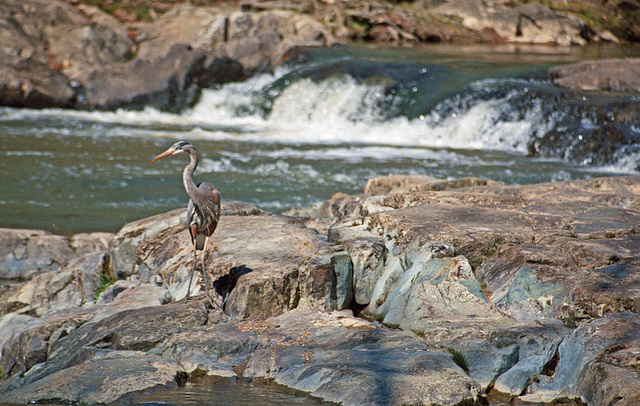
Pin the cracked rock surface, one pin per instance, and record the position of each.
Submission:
(417, 291)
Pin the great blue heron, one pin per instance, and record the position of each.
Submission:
(203, 212)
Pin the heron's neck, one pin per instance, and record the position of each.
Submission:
(187, 174)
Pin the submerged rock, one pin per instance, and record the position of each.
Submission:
(466, 286)
(614, 75)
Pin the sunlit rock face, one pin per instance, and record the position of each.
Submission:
(432, 292)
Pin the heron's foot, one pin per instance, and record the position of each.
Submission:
(213, 303)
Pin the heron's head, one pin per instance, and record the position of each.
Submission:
(180, 146)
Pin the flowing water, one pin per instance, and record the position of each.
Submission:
(296, 136)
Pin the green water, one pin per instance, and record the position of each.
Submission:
(295, 137)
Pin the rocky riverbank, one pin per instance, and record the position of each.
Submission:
(418, 291)
(58, 53)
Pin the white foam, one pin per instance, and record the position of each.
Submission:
(360, 153)
(337, 111)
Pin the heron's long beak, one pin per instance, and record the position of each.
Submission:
(165, 154)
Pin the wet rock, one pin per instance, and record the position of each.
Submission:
(168, 83)
(596, 362)
(613, 75)
(354, 366)
(604, 141)
(100, 380)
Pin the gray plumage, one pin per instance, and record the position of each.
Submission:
(203, 211)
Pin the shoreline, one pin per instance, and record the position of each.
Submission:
(77, 56)
(515, 279)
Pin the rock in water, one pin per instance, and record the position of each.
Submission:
(613, 75)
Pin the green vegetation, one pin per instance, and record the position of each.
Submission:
(197, 374)
(459, 359)
(359, 27)
(623, 22)
(106, 279)
(485, 289)
(417, 332)
(140, 10)
(144, 13)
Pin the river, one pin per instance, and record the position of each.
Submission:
(295, 136)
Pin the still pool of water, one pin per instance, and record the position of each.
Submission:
(221, 391)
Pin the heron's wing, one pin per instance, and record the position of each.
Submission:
(208, 206)
(217, 211)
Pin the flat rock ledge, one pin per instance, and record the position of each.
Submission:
(418, 291)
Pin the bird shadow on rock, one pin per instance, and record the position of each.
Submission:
(226, 283)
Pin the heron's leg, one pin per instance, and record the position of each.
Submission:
(206, 277)
(193, 268)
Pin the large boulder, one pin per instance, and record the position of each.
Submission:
(450, 265)
(613, 75)
(257, 40)
(65, 56)
(43, 38)
(255, 276)
(170, 82)
(525, 23)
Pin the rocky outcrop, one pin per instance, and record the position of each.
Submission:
(612, 75)
(56, 54)
(167, 83)
(530, 23)
(80, 57)
(257, 40)
(44, 42)
(468, 288)
(474, 268)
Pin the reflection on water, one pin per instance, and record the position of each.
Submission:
(212, 391)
